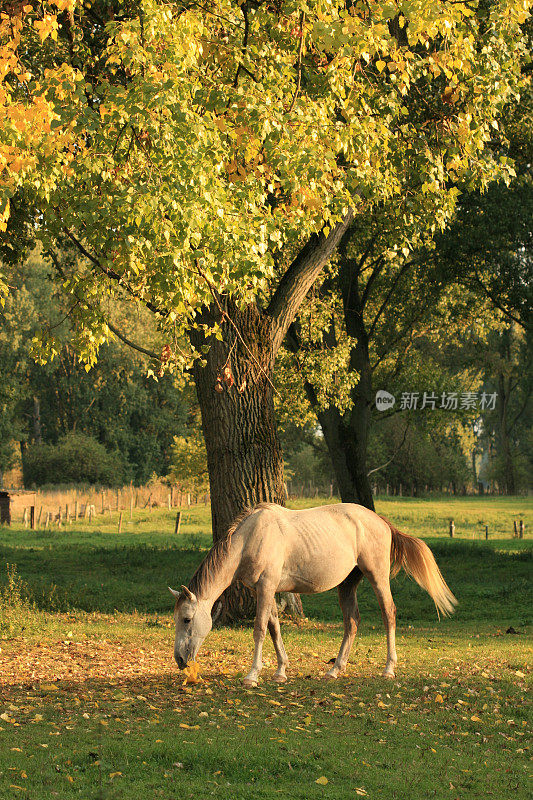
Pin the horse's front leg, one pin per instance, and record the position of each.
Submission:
(265, 599)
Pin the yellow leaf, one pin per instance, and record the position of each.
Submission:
(322, 780)
(519, 674)
(70, 779)
(361, 792)
(115, 774)
(192, 673)
(380, 65)
(48, 687)
(475, 719)
(439, 698)
(307, 720)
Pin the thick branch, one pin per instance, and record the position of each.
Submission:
(300, 276)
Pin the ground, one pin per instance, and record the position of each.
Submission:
(93, 706)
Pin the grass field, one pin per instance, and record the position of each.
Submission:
(92, 705)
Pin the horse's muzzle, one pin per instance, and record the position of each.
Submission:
(180, 661)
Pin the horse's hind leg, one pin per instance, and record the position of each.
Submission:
(275, 632)
(265, 599)
(350, 613)
(381, 586)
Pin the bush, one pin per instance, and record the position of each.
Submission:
(76, 458)
(16, 610)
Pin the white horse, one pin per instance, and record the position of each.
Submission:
(273, 549)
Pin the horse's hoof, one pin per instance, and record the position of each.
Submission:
(331, 676)
(389, 674)
(249, 682)
(279, 678)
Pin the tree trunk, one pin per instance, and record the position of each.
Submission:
(244, 455)
(505, 444)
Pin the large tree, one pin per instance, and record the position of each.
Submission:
(206, 161)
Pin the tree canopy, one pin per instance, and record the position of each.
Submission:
(185, 148)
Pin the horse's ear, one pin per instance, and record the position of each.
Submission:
(188, 594)
(174, 593)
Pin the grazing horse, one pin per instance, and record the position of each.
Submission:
(274, 549)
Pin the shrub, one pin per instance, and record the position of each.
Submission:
(16, 611)
(76, 458)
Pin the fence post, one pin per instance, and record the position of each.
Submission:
(76, 509)
(59, 517)
(25, 517)
(522, 526)
(131, 506)
(486, 531)
(32, 518)
(452, 528)
(40, 514)
(46, 524)
(119, 522)
(178, 523)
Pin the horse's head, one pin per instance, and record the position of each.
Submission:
(193, 623)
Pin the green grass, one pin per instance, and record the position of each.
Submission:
(90, 690)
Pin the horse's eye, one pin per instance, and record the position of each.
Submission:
(186, 620)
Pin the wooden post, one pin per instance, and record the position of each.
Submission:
(515, 526)
(131, 506)
(169, 501)
(522, 526)
(172, 496)
(178, 523)
(67, 514)
(452, 528)
(90, 511)
(486, 531)
(32, 518)
(25, 517)
(40, 515)
(76, 509)
(59, 517)
(118, 499)
(119, 522)
(47, 523)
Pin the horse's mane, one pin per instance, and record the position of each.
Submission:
(216, 556)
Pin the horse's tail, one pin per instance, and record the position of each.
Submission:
(418, 561)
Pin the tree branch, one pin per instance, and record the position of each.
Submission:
(118, 334)
(386, 464)
(405, 266)
(300, 276)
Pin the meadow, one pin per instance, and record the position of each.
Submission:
(93, 706)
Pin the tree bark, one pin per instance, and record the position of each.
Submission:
(244, 455)
(505, 444)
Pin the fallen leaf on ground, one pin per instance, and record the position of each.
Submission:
(322, 780)
(192, 673)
